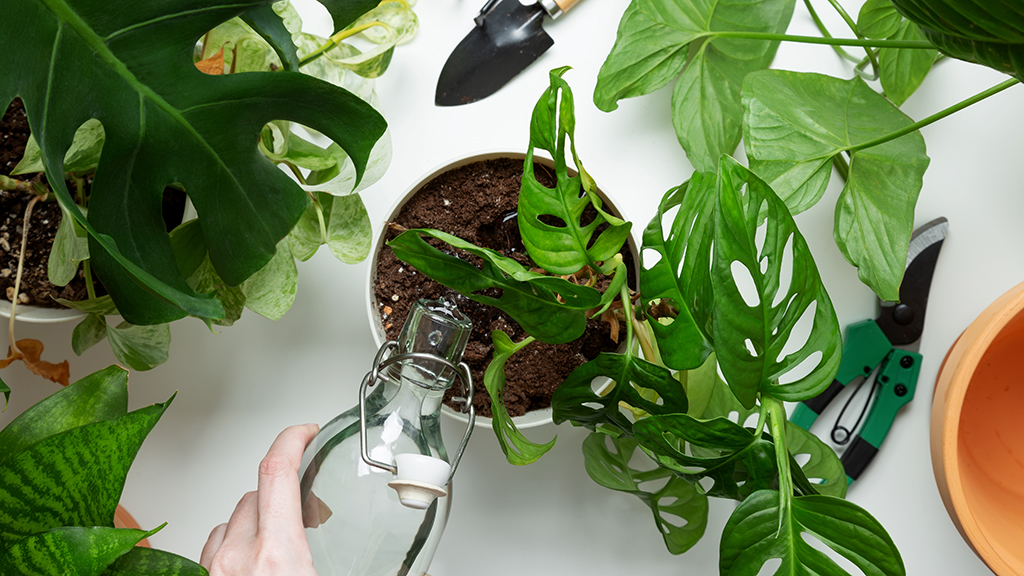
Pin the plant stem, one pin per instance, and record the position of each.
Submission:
(762, 419)
(337, 39)
(842, 166)
(80, 190)
(320, 217)
(824, 32)
(627, 309)
(853, 26)
(17, 277)
(777, 417)
(869, 43)
(936, 117)
(89, 288)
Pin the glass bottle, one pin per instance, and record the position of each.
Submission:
(356, 524)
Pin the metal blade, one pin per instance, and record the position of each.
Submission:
(507, 39)
(903, 323)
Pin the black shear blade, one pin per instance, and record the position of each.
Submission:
(903, 322)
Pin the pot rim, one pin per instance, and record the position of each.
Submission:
(947, 405)
(39, 314)
(532, 419)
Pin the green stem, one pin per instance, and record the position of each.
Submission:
(80, 190)
(627, 309)
(842, 166)
(866, 43)
(824, 32)
(320, 218)
(337, 39)
(853, 26)
(762, 419)
(936, 117)
(89, 288)
(777, 417)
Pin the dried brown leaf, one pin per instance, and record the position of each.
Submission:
(213, 65)
(30, 351)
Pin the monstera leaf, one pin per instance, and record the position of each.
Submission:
(989, 33)
(129, 65)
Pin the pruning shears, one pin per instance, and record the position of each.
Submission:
(890, 343)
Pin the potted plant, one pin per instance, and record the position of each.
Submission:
(234, 255)
(65, 461)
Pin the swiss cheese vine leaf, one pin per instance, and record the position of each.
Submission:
(518, 449)
(531, 299)
(752, 330)
(753, 535)
(739, 462)
(658, 39)
(130, 66)
(822, 466)
(676, 500)
(989, 33)
(576, 400)
(550, 219)
(793, 151)
(676, 271)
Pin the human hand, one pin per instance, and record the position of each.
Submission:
(264, 536)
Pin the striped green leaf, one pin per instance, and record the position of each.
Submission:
(99, 396)
(73, 478)
(69, 551)
(146, 561)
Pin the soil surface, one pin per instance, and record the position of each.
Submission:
(35, 286)
(478, 203)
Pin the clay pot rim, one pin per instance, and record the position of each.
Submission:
(953, 381)
(531, 419)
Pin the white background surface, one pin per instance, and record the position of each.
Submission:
(238, 389)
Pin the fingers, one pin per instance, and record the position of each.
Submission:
(242, 524)
(279, 511)
(212, 545)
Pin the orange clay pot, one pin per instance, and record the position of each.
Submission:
(977, 434)
(122, 519)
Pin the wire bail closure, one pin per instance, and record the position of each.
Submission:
(382, 361)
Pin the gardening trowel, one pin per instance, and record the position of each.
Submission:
(507, 38)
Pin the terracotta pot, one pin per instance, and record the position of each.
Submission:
(530, 419)
(977, 434)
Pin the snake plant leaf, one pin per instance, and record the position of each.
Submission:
(518, 449)
(658, 39)
(677, 500)
(550, 219)
(988, 33)
(151, 562)
(751, 336)
(681, 274)
(878, 19)
(165, 122)
(752, 536)
(531, 299)
(903, 70)
(100, 396)
(72, 478)
(69, 551)
(575, 400)
(793, 152)
(822, 466)
(738, 461)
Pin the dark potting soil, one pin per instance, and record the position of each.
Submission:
(478, 203)
(35, 285)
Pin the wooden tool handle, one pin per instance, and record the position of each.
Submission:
(556, 8)
(566, 4)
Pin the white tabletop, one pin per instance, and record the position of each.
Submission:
(239, 388)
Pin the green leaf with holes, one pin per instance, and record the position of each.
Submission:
(738, 461)
(549, 308)
(822, 468)
(753, 535)
(518, 449)
(680, 279)
(166, 122)
(677, 500)
(658, 40)
(576, 401)
(751, 337)
(793, 152)
(550, 219)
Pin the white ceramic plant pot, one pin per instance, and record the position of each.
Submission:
(531, 419)
(39, 314)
